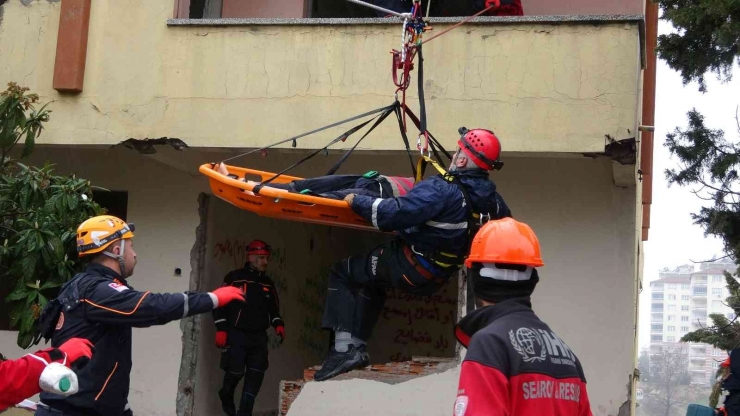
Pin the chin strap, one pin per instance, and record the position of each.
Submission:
(119, 257)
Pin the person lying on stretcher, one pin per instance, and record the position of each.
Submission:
(371, 184)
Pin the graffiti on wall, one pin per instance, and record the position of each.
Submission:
(419, 325)
(409, 325)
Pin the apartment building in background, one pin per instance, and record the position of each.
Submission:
(681, 302)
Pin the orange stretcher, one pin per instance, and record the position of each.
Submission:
(279, 203)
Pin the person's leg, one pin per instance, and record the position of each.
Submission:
(355, 292)
(257, 364)
(233, 361)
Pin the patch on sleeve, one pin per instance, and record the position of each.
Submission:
(117, 286)
(461, 404)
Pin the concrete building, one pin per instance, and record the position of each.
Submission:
(566, 87)
(681, 301)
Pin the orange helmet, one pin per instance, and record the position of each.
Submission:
(505, 241)
(97, 233)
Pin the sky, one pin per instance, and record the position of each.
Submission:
(674, 239)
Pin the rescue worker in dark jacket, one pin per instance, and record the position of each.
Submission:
(434, 222)
(515, 364)
(99, 305)
(241, 329)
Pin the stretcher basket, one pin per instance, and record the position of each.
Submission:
(279, 203)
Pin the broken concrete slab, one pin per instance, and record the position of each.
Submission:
(398, 374)
(431, 395)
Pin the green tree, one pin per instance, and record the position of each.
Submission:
(39, 213)
(707, 38)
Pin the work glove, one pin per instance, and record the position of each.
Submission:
(224, 295)
(221, 339)
(280, 331)
(75, 349)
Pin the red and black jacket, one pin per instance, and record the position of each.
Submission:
(259, 312)
(516, 365)
(19, 379)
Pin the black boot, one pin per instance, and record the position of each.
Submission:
(246, 405)
(226, 394)
(227, 402)
(337, 363)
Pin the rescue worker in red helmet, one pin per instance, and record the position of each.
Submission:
(515, 364)
(434, 223)
(241, 330)
(100, 305)
(29, 375)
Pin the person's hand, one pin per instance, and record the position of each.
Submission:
(226, 295)
(75, 349)
(280, 331)
(349, 198)
(221, 339)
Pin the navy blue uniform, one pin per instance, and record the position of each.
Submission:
(246, 352)
(100, 306)
(432, 222)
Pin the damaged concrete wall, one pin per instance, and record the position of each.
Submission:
(587, 230)
(586, 226)
(552, 87)
(303, 253)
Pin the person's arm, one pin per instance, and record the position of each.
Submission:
(274, 309)
(19, 379)
(220, 317)
(116, 304)
(482, 390)
(425, 201)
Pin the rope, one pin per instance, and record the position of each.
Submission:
(342, 137)
(377, 110)
(352, 149)
(467, 19)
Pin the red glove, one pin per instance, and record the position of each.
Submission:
(495, 3)
(280, 331)
(75, 349)
(221, 339)
(225, 295)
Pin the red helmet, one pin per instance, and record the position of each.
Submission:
(259, 247)
(482, 147)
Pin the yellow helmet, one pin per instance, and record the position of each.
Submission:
(97, 233)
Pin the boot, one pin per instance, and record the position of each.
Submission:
(227, 402)
(337, 363)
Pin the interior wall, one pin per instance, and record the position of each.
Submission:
(303, 253)
(341, 8)
(263, 8)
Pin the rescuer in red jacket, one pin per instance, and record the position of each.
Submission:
(20, 379)
(515, 364)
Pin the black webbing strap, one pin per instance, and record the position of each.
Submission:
(341, 137)
(472, 225)
(416, 121)
(352, 149)
(399, 116)
(369, 113)
(422, 106)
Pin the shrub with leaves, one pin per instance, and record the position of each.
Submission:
(39, 213)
